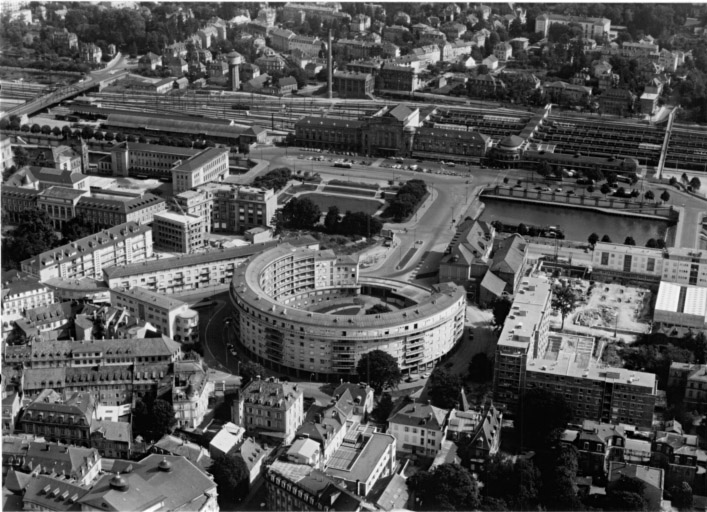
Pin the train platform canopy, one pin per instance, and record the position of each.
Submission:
(189, 126)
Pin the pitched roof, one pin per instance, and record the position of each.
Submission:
(493, 284)
(416, 415)
(509, 255)
(401, 112)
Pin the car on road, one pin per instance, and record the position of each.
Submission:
(425, 375)
(411, 378)
(558, 189)
(539, 188)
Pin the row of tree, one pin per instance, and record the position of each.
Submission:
(652, 243)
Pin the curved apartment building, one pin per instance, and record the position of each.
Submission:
(303, 311)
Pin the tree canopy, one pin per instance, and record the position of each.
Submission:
(444, 388)
(541, 417)
(152, 419)
(564, 300)
(300, 214)
(275, 179)
(231, 476)
(77, 228)
(250, 371)
(447, 487)
(501, 307)
(33, 235)
(379, 369)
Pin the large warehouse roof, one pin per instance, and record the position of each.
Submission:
(676, 298)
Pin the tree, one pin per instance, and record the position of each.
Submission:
(383, 409)
(559, 469)
(34, 234)
(20, 156)
(447, 487)
(501, 307)
(162, 419)
(605, 188)
(250, 371)
(517, 484)
(649, 195)
(564, 300)
(606, 239)
(695, 183)
(78, 227)
(681, 496)
(98, 136)
(480, 368)
(379, 369)
(378, 308)
(593, 239)
(275, 179)
(629, 241)
(87, 132)
(56, 131)
(626, 493)
(46, 129)
(651, 243)
(673, 181)
(665, 196)
(231, 476)
(444, 389)
(360, 223)
(331, 221)
(300, 214)
(542, 416)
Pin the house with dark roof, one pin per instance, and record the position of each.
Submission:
(478, 426)
(112, 439)
(419, 428)
(328, 424)
(362, 396)
(171, 445)
(150, 61)
(65, 421)
(301, 487)
(52, 317)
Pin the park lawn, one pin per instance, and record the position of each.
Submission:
(345, 204)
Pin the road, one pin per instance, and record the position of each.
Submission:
(432, 225)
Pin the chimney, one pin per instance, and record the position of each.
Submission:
(330, 69)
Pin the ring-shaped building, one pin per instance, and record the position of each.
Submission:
(308, 312)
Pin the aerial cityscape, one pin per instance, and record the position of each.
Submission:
(318, 256)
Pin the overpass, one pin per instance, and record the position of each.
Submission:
(63, 94)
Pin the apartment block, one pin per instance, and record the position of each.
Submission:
(199, 203)
(23, 293)
(170, 316)
(178, 233)
(237, 209)
(529, 356)
(353, 85)
(674, 265)
(87, 257)
(209, 165)
(150, 160)
(591, 27)
(189, 272)
(18, 199)
(108, 210)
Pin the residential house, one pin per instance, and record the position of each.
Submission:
(419, 428)
(150, 61)
(270, 407)
(190, 393)
(503, 51)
